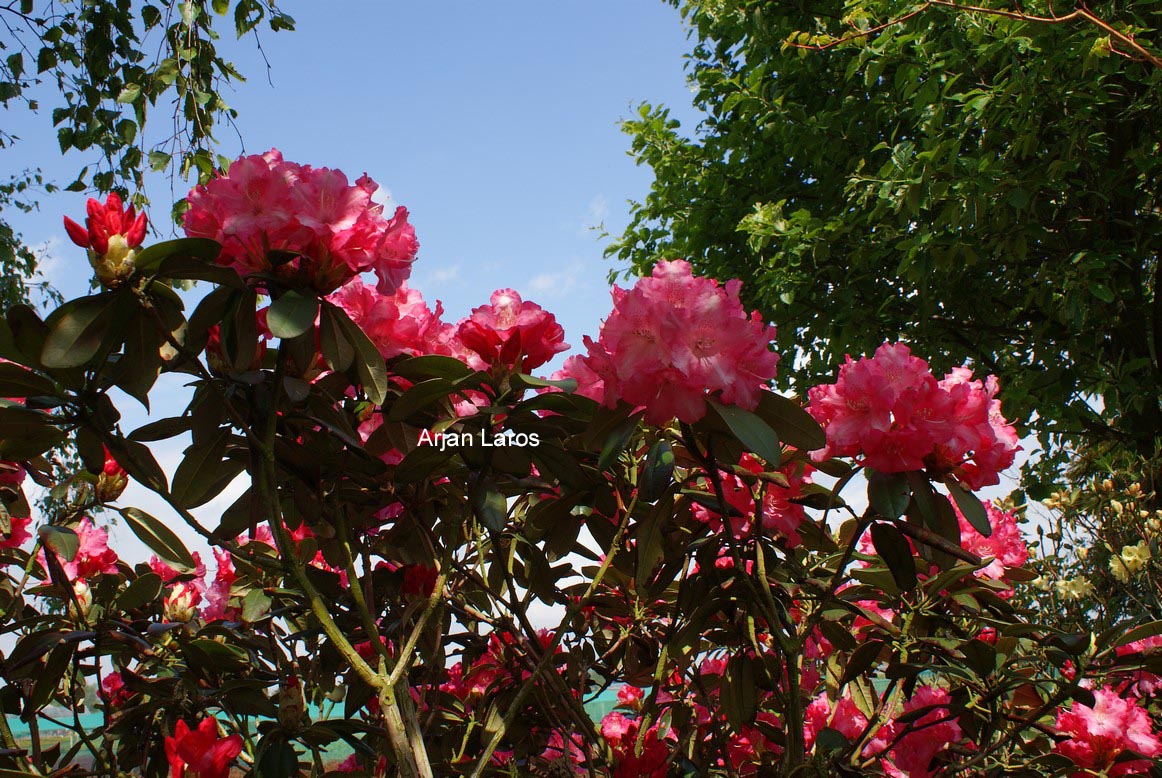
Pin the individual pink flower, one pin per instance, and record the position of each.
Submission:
(630, 697)
(200, 752)
(93, 553)
(277, 217)
(218, 592)
(1097, 735)
(561, 756)
(577, 367)
(397, 323)
(168, 573)
(1005, 546)
(19, 534)
(621, 733)
(675, 338)
(844, 717)
(891, 413)
(114, 692)
(510, 332)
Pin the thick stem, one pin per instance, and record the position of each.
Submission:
(406, 741)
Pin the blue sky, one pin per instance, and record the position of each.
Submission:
(495, 124)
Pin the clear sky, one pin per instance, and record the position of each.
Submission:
(496, 124)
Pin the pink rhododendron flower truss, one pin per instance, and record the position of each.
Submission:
(1096, 736)
(891, 413)
(400, 322)
(673, 339)
(274, 216)
(621, 733)
(911, 749)
(780, 516)
(510, 332)
(1005, 547)
(93, 555)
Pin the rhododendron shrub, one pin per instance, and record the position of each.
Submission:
(381, 595)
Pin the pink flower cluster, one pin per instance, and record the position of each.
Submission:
(1005, 546)
(93, 556)
(895, 416)
(1098, 735)
(905, 750)
(509, 332)
(397, 323)
(329, 230)
(779, 516)
(672, 340)
(188, 589)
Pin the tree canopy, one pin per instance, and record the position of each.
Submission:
(981, 182)
(101, 70)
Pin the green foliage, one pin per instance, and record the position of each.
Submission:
(981, 186)
(102, 69)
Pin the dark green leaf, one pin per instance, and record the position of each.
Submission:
(142, 590)
(739, 692)
(16, 381)
(970, 507)
(292, 314)
(751, 431)
(79, 329)
(888, 493)
(158, 537)
(657, 471)
(61, 540)
(26, 433)
(151, 257)
(202, 470)
(893, 547)
(419, 397)
(368, 361)
(523, 381)
(431, 366)
(337, 350)
(650, 542)
(255, 605)
(791, 423)
(49, 678)
(490, 508)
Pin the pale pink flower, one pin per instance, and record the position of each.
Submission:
(912, 747)
(398, 323)
(218, 592)
(891, 413)
(1005, 547)
(674, 339)
(1098, 735)
(326, 229)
